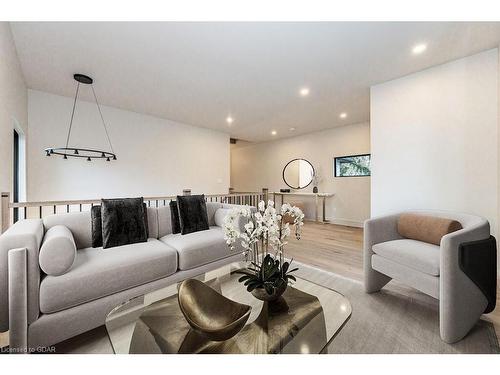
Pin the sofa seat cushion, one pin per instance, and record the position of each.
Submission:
(198, 248)
(99, 272)
(420, 256)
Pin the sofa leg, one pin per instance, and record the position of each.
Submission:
(374, 280)
(18, 301)
(459, 309)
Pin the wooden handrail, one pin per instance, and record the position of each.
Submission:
(42, 208)
(91, 201)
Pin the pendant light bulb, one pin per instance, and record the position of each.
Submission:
(65, 157)
(88, 158)
(76, 152)
(114, 157)
(107, 159)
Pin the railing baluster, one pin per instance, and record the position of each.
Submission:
(40, 212)
(67, 208)
(80, 207)
(55, 209)
(25, 212)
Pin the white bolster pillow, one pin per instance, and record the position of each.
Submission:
(58, 251)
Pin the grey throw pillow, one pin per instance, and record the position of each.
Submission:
(193, 215)
(123, 222)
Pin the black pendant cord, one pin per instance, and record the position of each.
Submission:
(78, 152)
(102, 118)
(72, 114)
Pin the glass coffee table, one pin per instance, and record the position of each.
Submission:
(305, 320)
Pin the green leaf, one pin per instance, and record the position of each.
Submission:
(269, 289)
(243, 278)
(285, 267)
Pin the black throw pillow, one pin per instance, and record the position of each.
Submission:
(123, 222)
(192, 213)
(95, 214)
(174, 217)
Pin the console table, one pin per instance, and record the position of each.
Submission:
(317, 197)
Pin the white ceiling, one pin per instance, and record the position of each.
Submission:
(198, 73)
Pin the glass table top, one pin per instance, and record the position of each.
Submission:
(305, 321)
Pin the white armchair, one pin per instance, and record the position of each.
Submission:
(448, 272)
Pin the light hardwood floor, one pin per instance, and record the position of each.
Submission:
(334, 248)
(339, 249)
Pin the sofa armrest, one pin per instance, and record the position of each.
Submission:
(18, 300)
(380, 229)
(461, 302)
(377, 230)
(23, 234)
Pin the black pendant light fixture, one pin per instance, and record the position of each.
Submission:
(86, 153)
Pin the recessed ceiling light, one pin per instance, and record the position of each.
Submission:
(304, 91)
(292, 129)
(343, 115)
(229, 119)
(274, 132)
(419, 48)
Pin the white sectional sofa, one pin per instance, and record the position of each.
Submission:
(41, 310)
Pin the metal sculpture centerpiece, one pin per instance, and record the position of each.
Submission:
(77, 152)
(209, 313)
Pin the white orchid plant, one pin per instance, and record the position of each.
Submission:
(263, 234)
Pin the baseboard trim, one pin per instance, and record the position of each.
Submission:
(346, 222)
(338, 221)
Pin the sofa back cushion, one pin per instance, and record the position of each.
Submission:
(78, 223)
(164, 221)
(212, 207)
(425, 228)
(220, 216)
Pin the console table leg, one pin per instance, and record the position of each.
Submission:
(324, 210)
(317, 208)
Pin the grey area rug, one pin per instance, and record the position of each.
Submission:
(396, 320)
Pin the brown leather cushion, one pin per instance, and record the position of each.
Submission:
(426, 228)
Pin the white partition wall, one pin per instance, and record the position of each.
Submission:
(434, 139)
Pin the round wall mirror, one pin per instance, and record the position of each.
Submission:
(298, 173)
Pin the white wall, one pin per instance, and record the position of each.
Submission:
(434, 139)
(13, 106)
(254, 166)
(155, 156)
